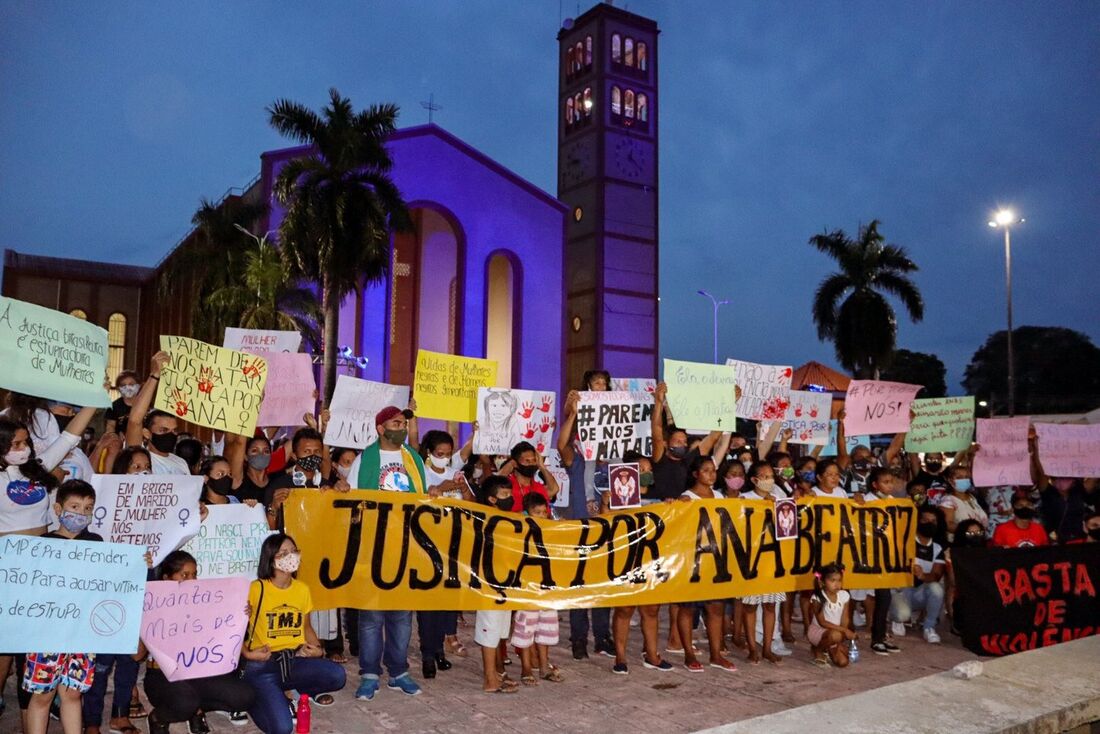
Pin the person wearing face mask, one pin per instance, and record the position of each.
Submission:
(281, 651)
(929, 473)
(1091, 527)
(876, 602)
(761, 478)
(1063, 508)
(856, 466)
(35, 414)
(732, 474)
(342, 459)
(672, 455)
(128, 386)
(217, 488)
(927, 592)
(157, 430)
(249, 459)
(1023, 530)
(959, 502)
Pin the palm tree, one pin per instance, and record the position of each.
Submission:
(341, 204)
(863, 327)
(267, 298)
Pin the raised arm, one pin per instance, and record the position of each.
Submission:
(414, 431)
(721, 448)
(551, 483)
(144, 400)
(565, 430)
(706, 445)
(657, 428)
(842, 458)
(1038, 476)
(234, 454)
(467, 449)
(765, 442)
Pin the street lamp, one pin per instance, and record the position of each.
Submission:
(717, 304)
(1006, 218)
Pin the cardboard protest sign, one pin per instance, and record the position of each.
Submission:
(850, 442)
(765, 390)
(625, 486)
(353, 407)
(211, 386)
(1016, 599)
(70, 595)
(52, 355)
(446, 385)
(877, 406)
(808, 417)
(702, 395)
(261, 341)
(1003, 457)
(553, 465)
(228, 542)
(289, 392)
(195, 629)
(633, 384)
(506, 417)
(611, 423)
(1069, 450)
(941, 424)
(158, 512)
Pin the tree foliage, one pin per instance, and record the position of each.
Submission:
(918, 368)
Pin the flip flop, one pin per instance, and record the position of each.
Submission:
(554, 676)
(337, 657)
(325, 699)
(529, 680)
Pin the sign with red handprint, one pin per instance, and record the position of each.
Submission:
(807, 416)
(765, 390)
(505, 417)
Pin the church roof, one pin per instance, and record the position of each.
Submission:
(71, 269)
(815, 373)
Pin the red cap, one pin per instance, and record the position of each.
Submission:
(386, 414)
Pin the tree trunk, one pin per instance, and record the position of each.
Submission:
(331, 307)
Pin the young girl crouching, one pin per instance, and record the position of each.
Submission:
(831, 613)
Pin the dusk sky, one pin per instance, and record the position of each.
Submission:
(778, 120)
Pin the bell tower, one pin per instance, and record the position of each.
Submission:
(607, 175)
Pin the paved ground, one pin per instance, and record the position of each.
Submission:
(592, 699)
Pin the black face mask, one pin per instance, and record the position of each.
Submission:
(973, 541)
(933, 467)
(163, 442)
(1024, 512)
(927, 529)
(678, 452)
(221, 485)
(528, 471)
(1094, 533)
(309, 463)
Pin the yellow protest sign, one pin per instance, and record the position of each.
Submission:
(383, 550)
(211, 386)
(702, 396)
(446, 385)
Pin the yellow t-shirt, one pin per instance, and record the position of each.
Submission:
(281, 622)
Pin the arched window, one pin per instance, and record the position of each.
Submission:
(588, 101)
(643, 108)
(628, 52)
(578, 56)
(500, 314)
(116, 345)
(588, 50)
(569, 112)
(616, 101)
(569, 61)
(577, 107)
(643, 62)
(616, 48)
(628, 103)
(79, 313)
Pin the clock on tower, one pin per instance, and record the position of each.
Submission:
(607, 175)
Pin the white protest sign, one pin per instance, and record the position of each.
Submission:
(611, 423)
(354, 405)
(228, 542)
(159, 512)
(553, 465)
(765, 390)
(1002, 457)
(1069, 450)
(808, 417)
(261, 341)
(506, 417)
(702, 395)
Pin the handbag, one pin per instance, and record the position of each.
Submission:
(283, 658)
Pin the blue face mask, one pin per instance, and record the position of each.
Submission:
(809, 477)
(963, 484)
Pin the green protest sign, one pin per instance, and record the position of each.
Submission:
(941, 424)
(701, 395)
(52, 355)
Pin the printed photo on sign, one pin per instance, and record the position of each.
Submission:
(786, 519)
(626, 486)
(506, 417)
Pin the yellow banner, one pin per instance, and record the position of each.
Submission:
(445, 385)
(383, 550)
(211, 386)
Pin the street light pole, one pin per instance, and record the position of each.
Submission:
(1006, 218)
(717, 304)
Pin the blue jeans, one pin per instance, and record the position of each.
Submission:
(393, 650)
(126, 675)
(928, 596)
(578, 625)
(312, 676)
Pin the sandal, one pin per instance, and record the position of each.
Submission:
(529, 680)
(337, 657)
(554, 676)
(137, 710)
(454, 647)
(325, 699)
(504, 688)
(130, 729)
(822, 661)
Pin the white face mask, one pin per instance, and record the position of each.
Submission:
(343, 471)
(765, 486)
(746, 464)
(17, 458)
(478, 472)
(289, 563)
(129, 391)
(439, 462)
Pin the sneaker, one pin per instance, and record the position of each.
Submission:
(664, 666)
(930, 636)
(405, 684)
(619, 669)
(606, 648)
(156, 726)
(580, 650)
(859, 619)
(781, 650)
(197, 724)
(368, 686)
(897, 629)
(891, 647)
(694, 667)
(879, 648)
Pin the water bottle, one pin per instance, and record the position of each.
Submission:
(302, 727)
(853, 652)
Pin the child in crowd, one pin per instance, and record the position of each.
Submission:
(761, 478)
(535, 631)
(832, 618)
(493, 625)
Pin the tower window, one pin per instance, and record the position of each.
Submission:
(628, 104)
(616, 48)
(588, 51)
(616, 101)
(577, 107)
(643, 62)
(642, 104)
(588, 101)
(568, 111)
(628, 51)
(578, 56)
(569, 61)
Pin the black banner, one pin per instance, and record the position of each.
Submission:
(1015, 599)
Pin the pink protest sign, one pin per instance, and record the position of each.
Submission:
(288, 394)
(1069, 450)
(1002, 457)
(874, 406)
(194, 629)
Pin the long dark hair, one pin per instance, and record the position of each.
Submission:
(265, 570)
(33, 469)
(22, 407)
(173, 563)
(819, 579)
(122, 461)
(693, 467)
(432, 439)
